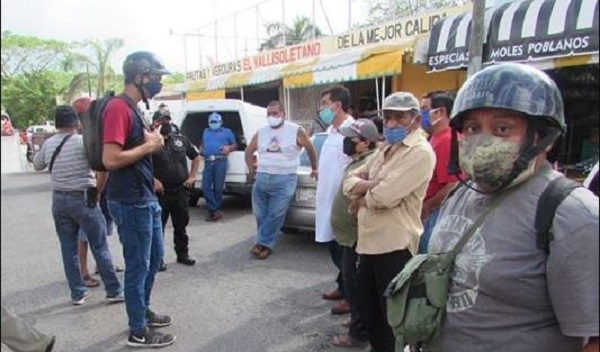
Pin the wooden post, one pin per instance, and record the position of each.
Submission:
(477, 36)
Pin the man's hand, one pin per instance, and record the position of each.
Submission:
(314, 174)
(353, 207)
(158, 187)
(250, 176)
(154, 139)
(190, 182)
(226, 150)
(364, 175)
(363, 187)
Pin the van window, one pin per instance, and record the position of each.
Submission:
(195, 123)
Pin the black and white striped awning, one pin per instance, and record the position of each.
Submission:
(522, 30)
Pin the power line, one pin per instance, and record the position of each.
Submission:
(326, 17)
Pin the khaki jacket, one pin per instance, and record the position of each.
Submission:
(392, 219)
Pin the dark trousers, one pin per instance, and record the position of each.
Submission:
(375, 272)
(358, 329)
(176, 204)
(335, 250)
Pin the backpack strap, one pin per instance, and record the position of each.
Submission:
(553, 195)
(57, 151)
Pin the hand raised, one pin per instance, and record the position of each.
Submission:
(154, 139)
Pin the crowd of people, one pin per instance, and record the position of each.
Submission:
(413, 185)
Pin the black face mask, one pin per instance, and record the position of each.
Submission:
(166, 128)
(349, 147)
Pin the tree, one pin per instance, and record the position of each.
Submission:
(386, 10)
(300, 31)
(95, 64)
(174, 78)
(32, 76)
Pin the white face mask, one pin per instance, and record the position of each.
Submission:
(274, 121)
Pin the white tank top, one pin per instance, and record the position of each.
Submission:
(278, 150)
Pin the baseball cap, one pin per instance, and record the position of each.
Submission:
(401, 101)
(362, 128)
(161, 115)
(214, 117)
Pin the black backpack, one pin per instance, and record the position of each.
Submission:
(92, 127)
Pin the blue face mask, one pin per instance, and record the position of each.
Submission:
(214, 125)
(425, 123)
(326, 115)
(152, 87)
(394, 135)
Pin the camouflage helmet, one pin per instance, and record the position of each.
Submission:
(142, 63)
(511, 86)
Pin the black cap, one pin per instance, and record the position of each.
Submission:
(65, 116)
(158, 115)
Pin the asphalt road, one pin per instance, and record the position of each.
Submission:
(227, 302)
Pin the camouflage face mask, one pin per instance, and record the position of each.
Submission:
(488, 160)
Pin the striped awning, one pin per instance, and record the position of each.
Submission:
(357, 64)
(519, 31)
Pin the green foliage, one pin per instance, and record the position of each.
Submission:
(388, 10)
(173, 79)
(300, 31)
(37, 72)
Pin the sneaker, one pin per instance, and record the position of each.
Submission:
(78, 302)
(118, 298)
(157, 321)
(186, 260)
(150, 338)
(162, 267)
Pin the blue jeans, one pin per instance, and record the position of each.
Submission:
(140, 231)
(213, 182)
(71, 214)
(271, 198)
(428, 225)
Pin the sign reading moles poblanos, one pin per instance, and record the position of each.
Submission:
(519, 31)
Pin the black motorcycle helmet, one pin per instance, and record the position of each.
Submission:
(142, 63)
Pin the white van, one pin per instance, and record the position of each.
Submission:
(244, 119)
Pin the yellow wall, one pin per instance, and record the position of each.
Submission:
(416, 80)
(210, 94)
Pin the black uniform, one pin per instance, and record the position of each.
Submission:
(171, 169)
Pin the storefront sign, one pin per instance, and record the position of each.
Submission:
(285, 55)
(394, 31)
(540, 48)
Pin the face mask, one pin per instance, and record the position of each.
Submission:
(214, 125)
(326, 115)
(488, 160)
(152, 87)
(349, 146)
(395, 135)
(166, 128)
(426, 122)
(274, 121)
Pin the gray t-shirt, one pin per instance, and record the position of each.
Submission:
(505, 294)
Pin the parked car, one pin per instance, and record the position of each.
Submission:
(301, 214)
(244, 119)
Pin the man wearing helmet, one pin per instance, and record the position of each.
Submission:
(505, 293)
(127, 154)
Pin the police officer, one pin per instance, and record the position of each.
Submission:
(164, 115)
(172, 182)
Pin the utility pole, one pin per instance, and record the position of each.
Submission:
(349, 14)
(477, 36)
(283, 23)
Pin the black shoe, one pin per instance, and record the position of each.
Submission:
(51, 344)
(162, 267)
(210, 217)
(186, 260)
(157, 321)
(150, 338)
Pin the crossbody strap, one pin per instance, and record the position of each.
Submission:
(57, 151)
(491, 206)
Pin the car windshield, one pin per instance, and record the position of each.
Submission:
(317, 141)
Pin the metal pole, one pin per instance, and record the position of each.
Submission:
(185, 63)
(382, 88)
(349, 14)
(199, 51)
(216, 44)
(477, 33)
(257, 29)
(242, 93)
(283, 23)
(314, 23)
(235, 45)
(377, 93)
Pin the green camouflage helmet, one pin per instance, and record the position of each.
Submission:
(511, 86)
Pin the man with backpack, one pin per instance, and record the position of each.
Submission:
(127, 151)
(75, 195)
(526, 274)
